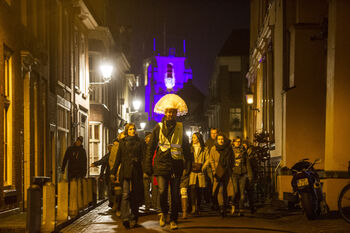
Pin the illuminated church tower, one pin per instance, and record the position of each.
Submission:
(163, 75)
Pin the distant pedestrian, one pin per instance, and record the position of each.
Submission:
(185, 184)
(200, 158)
(105, 173)
(114, 176)
(208, 194)
(240, 171)
(221, 156)
(147, 180)
(75, 156)
(129, 157)
(252, 178)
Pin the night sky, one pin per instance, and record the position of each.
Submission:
(204, 24)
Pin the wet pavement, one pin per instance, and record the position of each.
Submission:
(266, 219)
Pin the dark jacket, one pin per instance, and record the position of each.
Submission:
(241, 164)
(164, 164)
(226, 156)
(76, 158)
(103, 162)
(129, 157)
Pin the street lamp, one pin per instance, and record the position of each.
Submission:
(143, 125)
(249, 97)
(250, 100)
(137, 104)
(106, 70)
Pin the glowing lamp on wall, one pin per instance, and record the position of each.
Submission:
(169, 79)
(106, 71)
(143, 125)
(249, 97)
(136, 104)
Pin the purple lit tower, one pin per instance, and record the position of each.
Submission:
(163, 75)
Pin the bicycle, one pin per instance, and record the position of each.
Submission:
(344, 201)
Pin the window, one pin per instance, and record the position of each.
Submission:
(268, 94)
(95, 146)
(76, 57)
(63, 126)
(66, 49)
(82, 64)
(7, 115)
(99, 93)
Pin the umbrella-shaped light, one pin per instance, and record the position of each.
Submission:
(171, 101)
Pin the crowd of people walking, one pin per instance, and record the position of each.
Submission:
(217, 173)
(169, 174)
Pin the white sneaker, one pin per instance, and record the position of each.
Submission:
(162, 219)
(173, 225)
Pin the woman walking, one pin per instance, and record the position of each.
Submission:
(221, 157)
(129, 157)
(200, 159)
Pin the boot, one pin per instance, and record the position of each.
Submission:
(222, 211)
(194, 206)
(194, 210)
(184, 207)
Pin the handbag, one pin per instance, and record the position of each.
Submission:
(196, 167)
(219, 171)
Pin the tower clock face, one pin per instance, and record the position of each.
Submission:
(169, 78)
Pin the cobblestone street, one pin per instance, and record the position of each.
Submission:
(265, 220)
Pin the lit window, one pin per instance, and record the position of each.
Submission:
(95, 146)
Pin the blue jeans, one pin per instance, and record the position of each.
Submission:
(129, 207)
(163, 185)
(239, 184)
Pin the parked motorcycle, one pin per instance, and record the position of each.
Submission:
(306, 183)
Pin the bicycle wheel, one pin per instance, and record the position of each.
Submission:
(344, 203)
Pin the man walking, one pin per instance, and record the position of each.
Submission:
(105, 173)
(76, 158)
(172, 150)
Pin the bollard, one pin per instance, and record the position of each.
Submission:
(80, 195)
(85, 192)
(62, 201)
(90, 198)
(94, 191)
(73, 198)
(33, 209)
(101, 191)
(48, 224)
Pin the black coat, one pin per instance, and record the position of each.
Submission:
(103, 162)
(226, 158)
(129, 157)
(76, 158)
(164, 164)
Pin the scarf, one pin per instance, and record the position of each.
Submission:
(224, 151)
